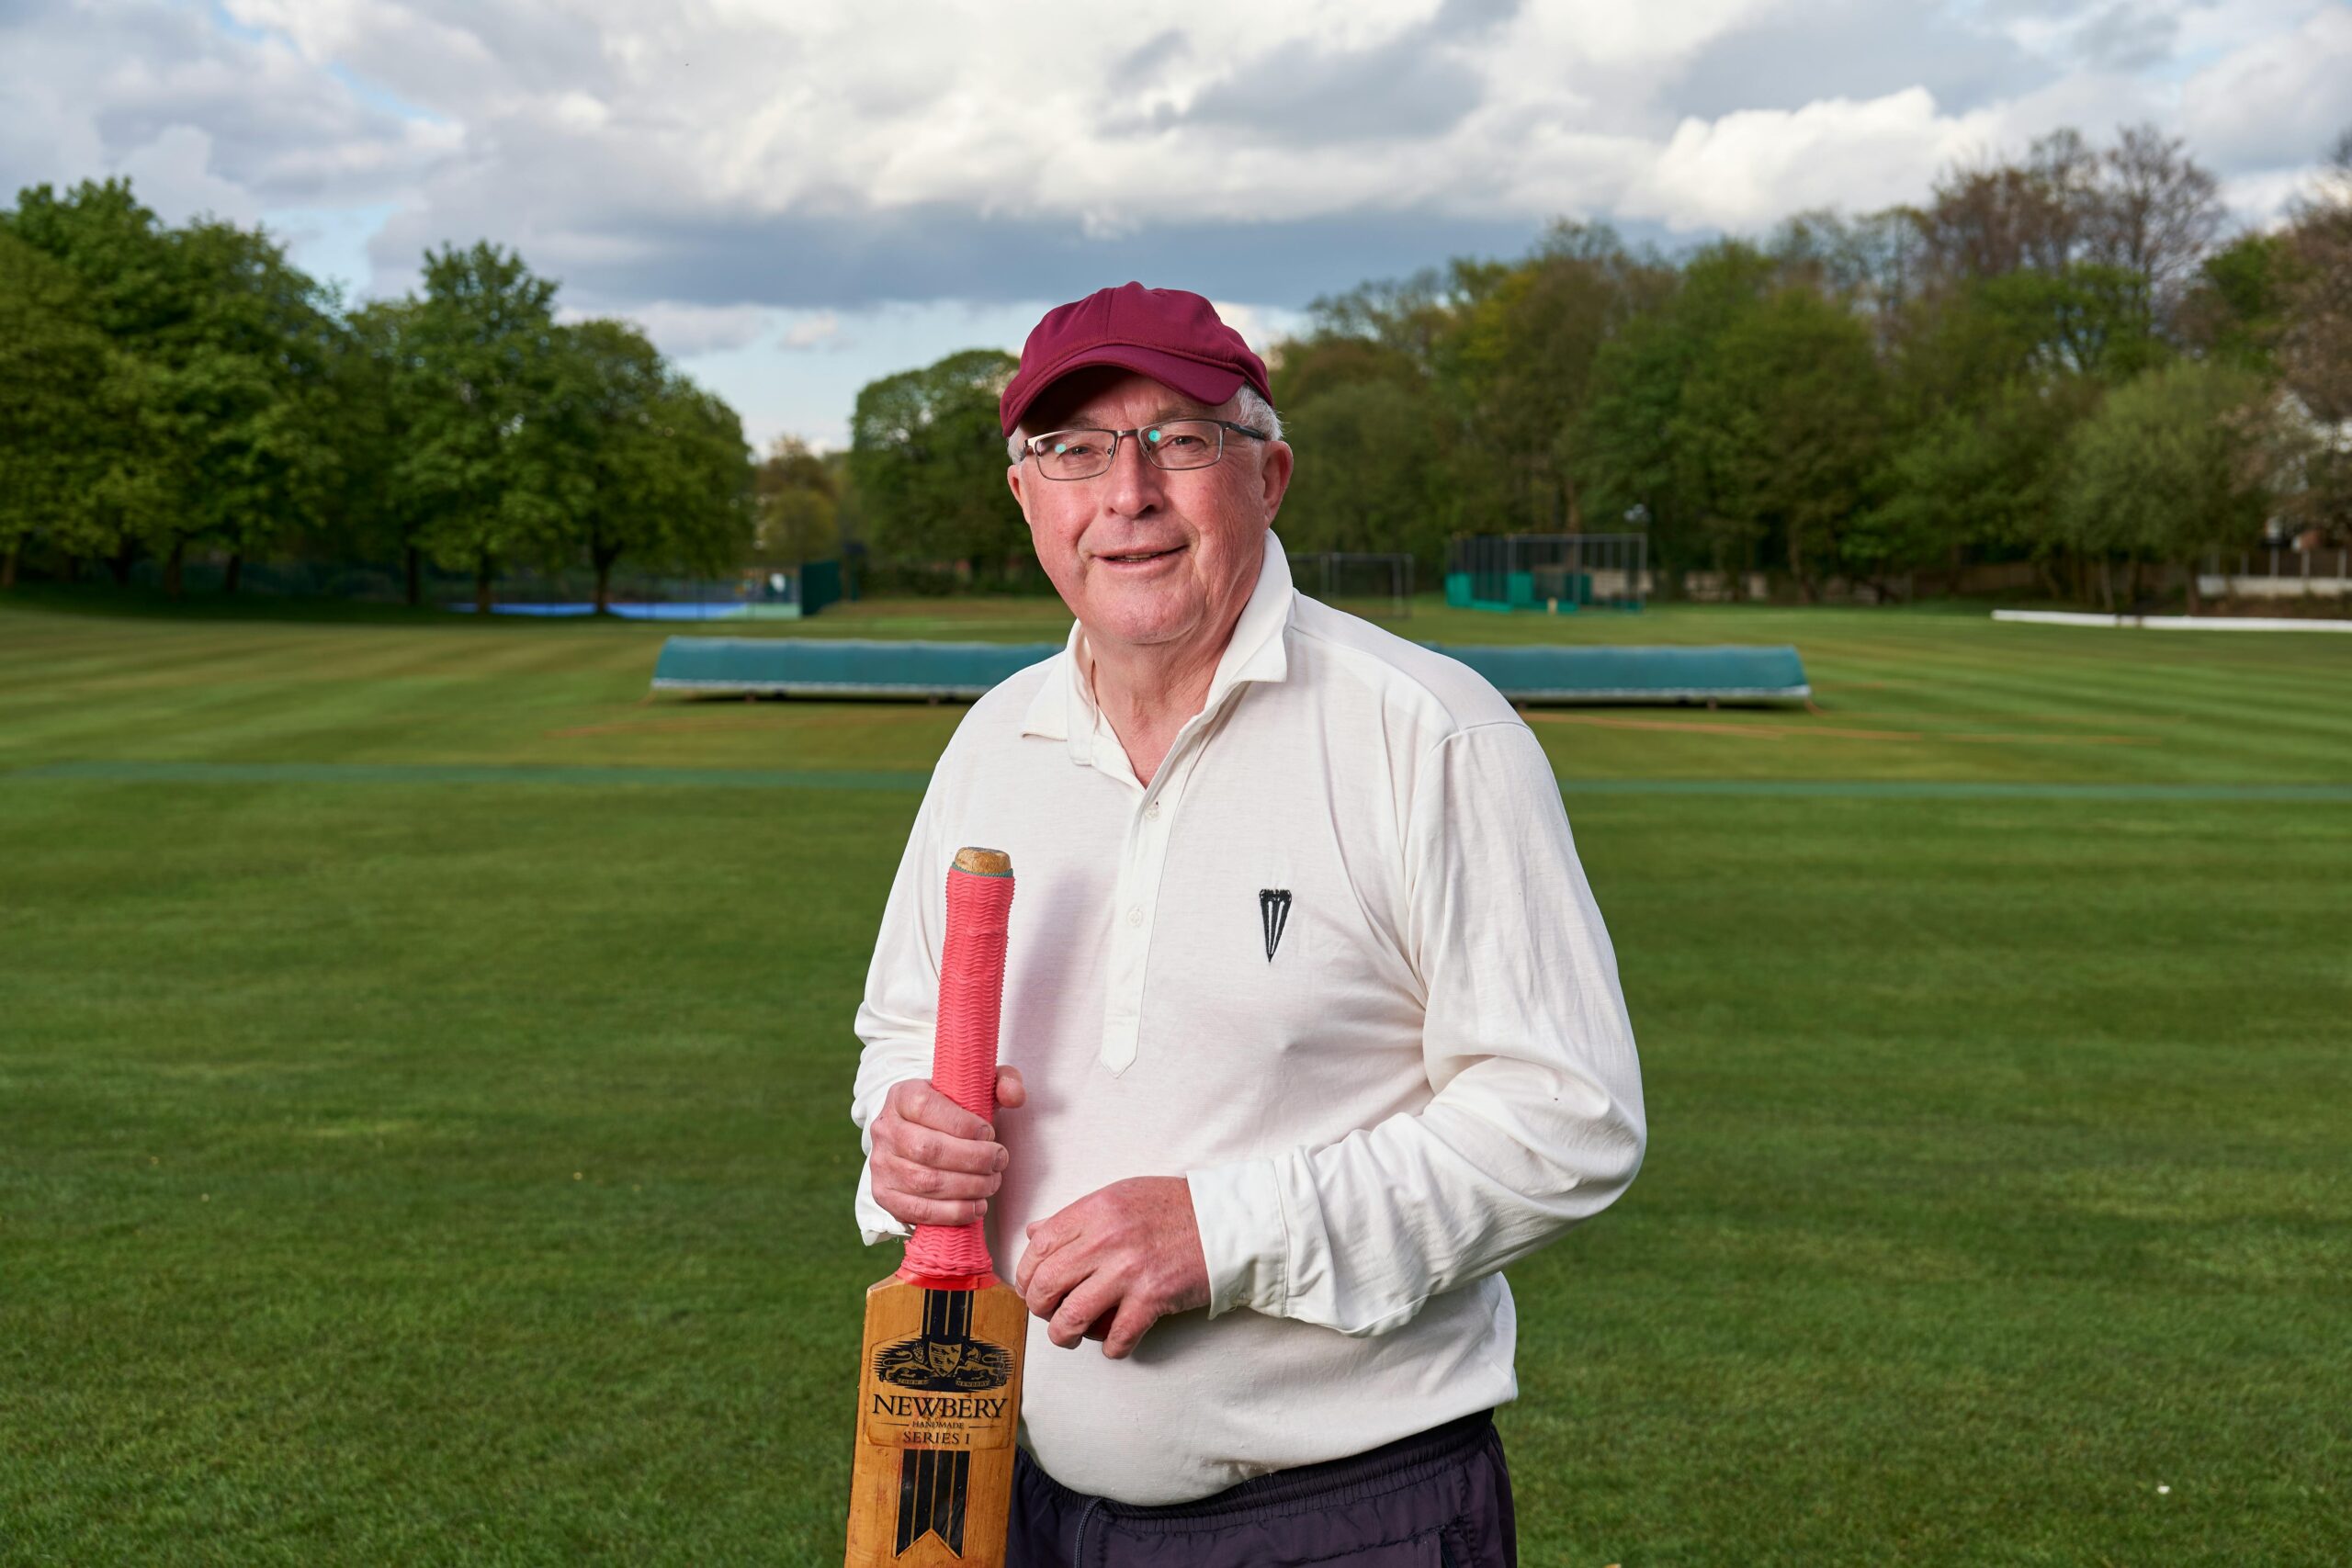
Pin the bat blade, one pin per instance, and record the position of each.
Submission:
(939, 1395)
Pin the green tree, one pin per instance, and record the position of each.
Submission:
(612, 412)
(52, 408)
(1370, 474)
(707, 491)
(244, 397)
(380, 513)
(2168, 466)
(2236, 310)
(927, 464)
(221, 422)
(1630, 448)
(477, 389)
(131, 278)
(1977, 478)
(798, 500)
(1782, 423)
(1518, 358)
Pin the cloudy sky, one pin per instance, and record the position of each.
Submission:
(796, 195)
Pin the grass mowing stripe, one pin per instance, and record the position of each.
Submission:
(468, 773)
(836, 778)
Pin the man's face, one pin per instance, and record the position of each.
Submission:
(1141, 555)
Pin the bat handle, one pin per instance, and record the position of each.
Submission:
(963, 1062)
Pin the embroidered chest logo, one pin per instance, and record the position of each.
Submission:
(1273, 914)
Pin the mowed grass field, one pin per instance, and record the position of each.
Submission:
(424, 1063)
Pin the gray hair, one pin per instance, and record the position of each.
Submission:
(1249, 409)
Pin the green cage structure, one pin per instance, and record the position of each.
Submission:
(1552, 572)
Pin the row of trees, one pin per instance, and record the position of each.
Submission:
(2057, 359)
(2060, 359)
(164, 390)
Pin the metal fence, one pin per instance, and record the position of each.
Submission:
(1370, 585)
(755, 593)
(2282, 560)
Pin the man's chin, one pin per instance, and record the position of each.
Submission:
(1139, 619)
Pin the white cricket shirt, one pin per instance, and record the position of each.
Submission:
(1339, 966)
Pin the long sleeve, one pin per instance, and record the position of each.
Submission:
(1535, 1120)
(896, 1020)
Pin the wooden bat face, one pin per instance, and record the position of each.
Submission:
(937, 1405)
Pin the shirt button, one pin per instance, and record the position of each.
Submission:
(1152, 810)
(1134, 916)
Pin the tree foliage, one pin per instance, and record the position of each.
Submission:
(927, 458)
(1847, 401)
(2168, 466)
(163, 390)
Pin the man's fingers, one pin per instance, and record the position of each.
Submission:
(1096, 1297)
(918, 1102)
(1134, 1317)
(908, 1208)
(1042, 1236)
(1051, 1273)
(930, 1181)
(920, 1145)
(1011, 1092)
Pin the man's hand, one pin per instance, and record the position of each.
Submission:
(934, 1163)
(1115, 1263)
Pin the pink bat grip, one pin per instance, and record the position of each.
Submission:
(963, 1061)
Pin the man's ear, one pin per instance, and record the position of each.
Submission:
(1013, 478)
(1274, 476)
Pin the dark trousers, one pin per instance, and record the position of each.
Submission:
(1440, 1499)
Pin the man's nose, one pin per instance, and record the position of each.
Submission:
(1134, 486)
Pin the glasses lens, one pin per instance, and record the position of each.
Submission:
(1183, 442)
(1073, 454)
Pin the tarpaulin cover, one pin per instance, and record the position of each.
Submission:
(840, 667)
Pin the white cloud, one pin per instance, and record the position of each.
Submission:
(1744, 170)
(174, 174)
(1260, 326)
(2278, 100)
(820, 329)
(736, 173)
(679, 328)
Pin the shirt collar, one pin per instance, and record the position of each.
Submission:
(1064, 709)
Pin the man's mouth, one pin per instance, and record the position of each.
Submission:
(1137, 556)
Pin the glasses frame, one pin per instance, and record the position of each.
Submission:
(1032, 448)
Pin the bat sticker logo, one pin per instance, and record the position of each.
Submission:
(956, 1365)
(1273, 914)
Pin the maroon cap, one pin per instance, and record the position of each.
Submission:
(1172, 336)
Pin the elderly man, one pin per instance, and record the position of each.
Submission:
(1311, 1025)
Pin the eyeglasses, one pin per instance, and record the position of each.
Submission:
(1170, 444)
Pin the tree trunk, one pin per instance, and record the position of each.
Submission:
(236, 571)
(171, 568)
(120, 564)
(2106, 586)
(2048, 571)
(604, 585)
(2196, 602)
(481, 585)
(415, 585)
(8, 563)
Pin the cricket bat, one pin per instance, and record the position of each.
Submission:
(939, 1379)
